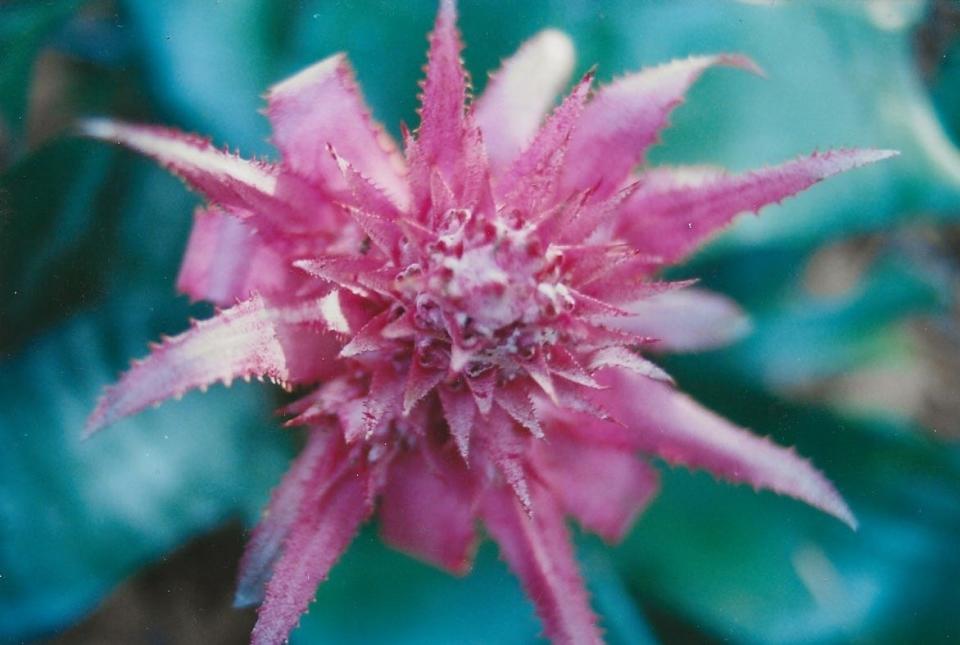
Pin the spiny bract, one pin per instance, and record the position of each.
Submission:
(471, 316)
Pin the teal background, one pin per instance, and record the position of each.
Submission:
(854, 356)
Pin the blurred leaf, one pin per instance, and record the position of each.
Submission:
(77, 218)
(208, 64)
(77, 517)
(945, 90)
(24, 29)
(377, 595)
(805, 337)
(52, 235)
(620, 617)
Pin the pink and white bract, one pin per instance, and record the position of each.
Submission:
(467, 318)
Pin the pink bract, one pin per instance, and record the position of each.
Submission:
(467, 318)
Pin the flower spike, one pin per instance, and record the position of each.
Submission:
(469, 323)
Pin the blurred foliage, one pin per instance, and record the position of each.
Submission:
(24, 29)
(90, 239)
(361, 603)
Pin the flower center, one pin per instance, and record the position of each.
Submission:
(488, 288)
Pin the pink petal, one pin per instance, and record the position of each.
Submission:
(361, 191)
(327, 522)
(685, 320)
(537, 547)
(532, 178)
(623, 120)
(506, 448)
(592, 309)
(342, 270)
(597, 218)
(604, 487)
(384, 398)
(573, 397)
(225, 261)
(514, 398)
(383, 233)
(624, 265)
(474, 188)
(311, 332)
(582, 262)
(548, 225)
(673, 426)
(625, 358)
(337, 311)
(482, 387)
(322, 106)
(325, 402)
(538, 370)
(520, 93)
(459, 410)
(313, 466)
(310, 352)
(420, 382)
(225, 179)
(370, 337)
(440, 137)
(674, 211)
(442, 197)
(565, 364)
(238, 342)
(427, 509)
(629, 281)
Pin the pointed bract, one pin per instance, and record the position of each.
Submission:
(428, 509)
(625, 118)
(603, 487)
(459, 411)
(518, 96)
(532, 179)
(325, 526)
(315, 464)
(226, 261)
(321, 106)
(239, 342)
(539, 552)
(441, 132)
(685, 320)
(673, 212)
(671, 425)
(223, 178)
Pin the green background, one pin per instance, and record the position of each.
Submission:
(91, 237)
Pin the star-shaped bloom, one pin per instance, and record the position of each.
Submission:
(469, 320)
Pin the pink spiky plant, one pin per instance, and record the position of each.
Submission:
(471, 316)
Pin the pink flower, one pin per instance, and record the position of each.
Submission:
(468, 318)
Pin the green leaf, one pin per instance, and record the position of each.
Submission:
(946, 88)
(209, 64)
(803, 337)
(77, 219)
(53, 234)
(24, 29)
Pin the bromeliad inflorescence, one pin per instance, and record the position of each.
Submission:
(468, 319)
